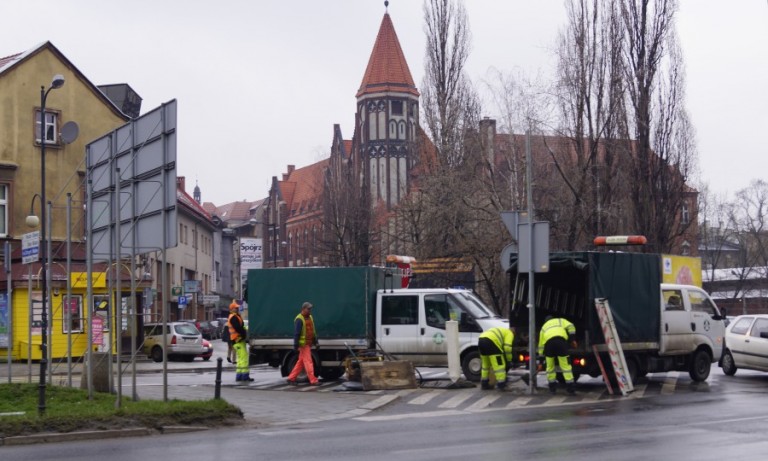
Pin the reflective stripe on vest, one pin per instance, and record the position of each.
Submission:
(303, 336)
(233, 334)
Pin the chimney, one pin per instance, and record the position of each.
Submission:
(487, 136)
(291, 169)
(181, 183)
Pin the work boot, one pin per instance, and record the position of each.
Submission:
(502, 386)
(484, 385)
(238, 377)
(570, 388)
(552, 388)
(247, 377)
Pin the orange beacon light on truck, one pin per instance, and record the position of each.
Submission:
(620, 240)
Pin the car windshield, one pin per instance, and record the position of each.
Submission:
(186, 329)
(475, 307)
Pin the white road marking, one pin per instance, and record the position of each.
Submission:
(458, 399)
(426, 397)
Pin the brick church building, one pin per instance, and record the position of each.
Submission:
(338, 211)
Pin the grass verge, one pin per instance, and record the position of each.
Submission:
(69, 409)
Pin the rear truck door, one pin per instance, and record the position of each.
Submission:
(675, 323)
(706, 320)
(398, 327)
(438, 309)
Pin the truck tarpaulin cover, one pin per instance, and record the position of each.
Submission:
(630, 282)
(343, 300)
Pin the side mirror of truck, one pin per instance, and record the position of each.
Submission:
(723, 314)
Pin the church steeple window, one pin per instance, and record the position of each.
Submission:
(397, 107)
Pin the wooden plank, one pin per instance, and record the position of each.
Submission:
(388, 375)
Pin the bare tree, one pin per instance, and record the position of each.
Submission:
(751, 215)
(664, 151)
(446, 93)
(588, 90)
(346, 216)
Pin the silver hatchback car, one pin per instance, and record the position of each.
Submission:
(183, 340)
(746, 344)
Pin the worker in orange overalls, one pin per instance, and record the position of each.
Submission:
(304, 337)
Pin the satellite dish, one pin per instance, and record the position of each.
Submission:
(69, 132)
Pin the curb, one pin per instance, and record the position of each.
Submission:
(72, 436)
(95, 435)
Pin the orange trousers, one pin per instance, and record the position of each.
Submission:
(304, 364)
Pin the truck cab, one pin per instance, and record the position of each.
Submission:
(410, 325)
(689, 320)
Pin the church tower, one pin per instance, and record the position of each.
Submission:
(387, 120)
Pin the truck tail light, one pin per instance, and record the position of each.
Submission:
(580, 361)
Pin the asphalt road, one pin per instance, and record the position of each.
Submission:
(722, 419)
(667, 417)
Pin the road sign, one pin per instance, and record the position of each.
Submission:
(211, 299)
(30, 247)
(176, 291)
(182, 302)
(506, 256)
(536, 243)
(512, 219)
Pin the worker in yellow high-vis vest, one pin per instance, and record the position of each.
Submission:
(553, 344)
(495, 346)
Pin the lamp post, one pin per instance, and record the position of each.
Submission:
(57, 82)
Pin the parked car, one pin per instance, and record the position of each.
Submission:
(203, 326)
(207, 350)
(746, 344)
(222, 325)
(207, 329)
(183, 340)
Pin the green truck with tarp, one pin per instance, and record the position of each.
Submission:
(657, 333)
(358, 310)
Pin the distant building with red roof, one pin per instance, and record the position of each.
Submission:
(324, 213)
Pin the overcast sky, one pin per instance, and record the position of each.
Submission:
(260, 84)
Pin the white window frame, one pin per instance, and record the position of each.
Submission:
(51, 127)
(685, 215)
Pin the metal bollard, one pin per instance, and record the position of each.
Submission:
(217, 392)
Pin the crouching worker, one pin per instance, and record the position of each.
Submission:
(553, 343)
(237, 337)
(495, 345)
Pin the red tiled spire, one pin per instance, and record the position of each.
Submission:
(387, 69)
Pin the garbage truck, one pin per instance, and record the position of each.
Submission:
(358, 310)
(661, 327)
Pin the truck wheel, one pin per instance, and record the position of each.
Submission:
(700, 366)
(331, 373)
(291, 362)
(157, 354)
(471, 366)
(728, 365)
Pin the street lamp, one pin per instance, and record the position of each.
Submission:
(57, 82)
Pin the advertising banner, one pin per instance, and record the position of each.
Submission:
(250, 257)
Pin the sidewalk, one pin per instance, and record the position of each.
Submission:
(259, 406)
